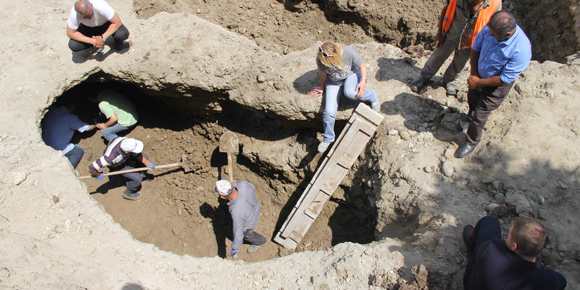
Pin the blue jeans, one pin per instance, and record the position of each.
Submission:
(75, 155)
(333, 92)
(110, 133)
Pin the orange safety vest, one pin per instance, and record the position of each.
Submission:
(482, 18)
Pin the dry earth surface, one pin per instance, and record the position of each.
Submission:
(199, 68)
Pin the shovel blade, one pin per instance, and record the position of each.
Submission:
(185, 163)
(229, 143)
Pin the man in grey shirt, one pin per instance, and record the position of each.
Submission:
(245, 211)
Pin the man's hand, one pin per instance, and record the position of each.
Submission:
(91, 127)
(473, 82)
(316, 92)
(235, 254)
(438, 39)
(360, 88)
(98, 41)
(101, 126)
(99, 177)
(151, 166)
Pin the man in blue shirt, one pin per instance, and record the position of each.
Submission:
(499, 54)
(58, 128)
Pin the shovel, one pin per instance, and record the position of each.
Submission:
(183, 165)
(229, 144)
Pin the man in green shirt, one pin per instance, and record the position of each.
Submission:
(120, 112)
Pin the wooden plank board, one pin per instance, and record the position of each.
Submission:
(340, 158)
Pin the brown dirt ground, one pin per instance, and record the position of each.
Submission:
(181, 213)
(272, 26)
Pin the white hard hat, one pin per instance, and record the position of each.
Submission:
(224, 187)
(131, 145)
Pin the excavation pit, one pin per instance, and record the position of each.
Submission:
(179, 211)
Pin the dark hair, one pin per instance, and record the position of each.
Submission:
(502, 22)
(529, 235)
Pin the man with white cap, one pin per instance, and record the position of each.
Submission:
(245, 211)
(121, 154)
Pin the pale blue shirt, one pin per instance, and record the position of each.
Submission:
(506, 59)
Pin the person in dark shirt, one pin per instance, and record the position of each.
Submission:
(495, 264)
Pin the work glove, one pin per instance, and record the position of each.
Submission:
(235, 254)
(100, 177)
(151, 166)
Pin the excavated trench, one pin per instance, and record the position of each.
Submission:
(179, 211)
(284, 26)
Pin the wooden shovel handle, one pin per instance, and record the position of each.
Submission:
(134, 170)
(230, 166)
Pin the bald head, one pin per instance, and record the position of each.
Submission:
(82, 7)
(503, 24)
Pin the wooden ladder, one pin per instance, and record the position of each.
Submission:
(352, 141)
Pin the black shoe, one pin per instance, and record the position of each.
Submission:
(420, 86)
(467, 232)
(130, 195)
(464, 150)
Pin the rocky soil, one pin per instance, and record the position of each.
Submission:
(190, 84)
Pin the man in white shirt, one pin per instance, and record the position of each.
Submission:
(91, 23)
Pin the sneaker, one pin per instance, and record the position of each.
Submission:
(461, 125)
(323, 146)
(420, 86)
(451, 88)
(130, 195)
(467, 232)
(376, 106)
(100, 49)
(254, 248)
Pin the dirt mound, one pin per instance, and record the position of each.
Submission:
(292, 25)
(200, 80)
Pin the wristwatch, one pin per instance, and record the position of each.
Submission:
(104, 39)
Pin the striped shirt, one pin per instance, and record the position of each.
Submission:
(113, 156)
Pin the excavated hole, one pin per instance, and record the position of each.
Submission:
(179, 211)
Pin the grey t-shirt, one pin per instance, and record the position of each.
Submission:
(245, 211)
(350, 59)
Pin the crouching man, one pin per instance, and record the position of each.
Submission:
(496, 264)
(245, 211)
(91, 23)
(123, 153)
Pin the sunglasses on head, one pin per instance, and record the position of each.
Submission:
(324, 53)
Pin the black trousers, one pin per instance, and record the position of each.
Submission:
(121, 34)
(481, 103)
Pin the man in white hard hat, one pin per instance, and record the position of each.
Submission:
(122, 153)
(245, 211)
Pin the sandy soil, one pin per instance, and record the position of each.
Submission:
(59, 233)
